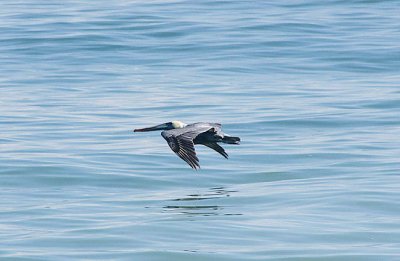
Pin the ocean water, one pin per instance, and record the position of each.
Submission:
(311, 87)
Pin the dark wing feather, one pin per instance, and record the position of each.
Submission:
(217, 148)
(183, 146)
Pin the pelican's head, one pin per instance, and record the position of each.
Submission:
(178, 124)
(165, 126)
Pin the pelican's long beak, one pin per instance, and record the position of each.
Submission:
(163, 126)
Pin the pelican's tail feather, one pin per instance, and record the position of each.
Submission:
(231, 140)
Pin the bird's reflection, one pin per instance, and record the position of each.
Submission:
(189, 205)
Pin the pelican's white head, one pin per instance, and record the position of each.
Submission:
(178, 124)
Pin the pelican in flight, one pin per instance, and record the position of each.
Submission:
(182, 137)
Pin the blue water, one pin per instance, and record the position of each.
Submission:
(311, 87)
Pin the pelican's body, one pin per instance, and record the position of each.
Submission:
(181, 138)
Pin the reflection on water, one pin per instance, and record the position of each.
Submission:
(190, 207)
(217, 192)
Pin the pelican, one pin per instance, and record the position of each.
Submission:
(182, 137)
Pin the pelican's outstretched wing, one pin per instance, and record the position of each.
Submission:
(217, 148)
(183, 146)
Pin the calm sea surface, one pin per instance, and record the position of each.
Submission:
(311, 87)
